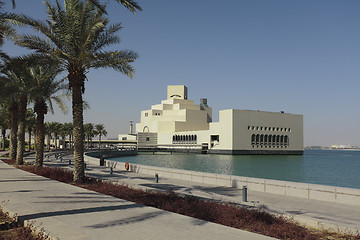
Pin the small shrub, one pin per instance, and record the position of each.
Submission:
(9, 161)
(58, 174)
(14, 231)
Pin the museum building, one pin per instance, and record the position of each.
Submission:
(178, 124)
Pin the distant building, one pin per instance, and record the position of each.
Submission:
(342, 147)
(127, 137)
(179, 124)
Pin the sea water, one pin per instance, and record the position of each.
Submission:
(327, 167)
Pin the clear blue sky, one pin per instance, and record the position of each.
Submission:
(300, 57)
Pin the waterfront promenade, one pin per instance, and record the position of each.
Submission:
(110, 215)
(313, 213)
(71, 213)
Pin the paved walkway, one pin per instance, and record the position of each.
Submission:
(61, 207)
(72, 213)
(313, 213)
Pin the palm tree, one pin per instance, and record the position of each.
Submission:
(44, 91)
(100, 130)
(8, 97)
(63, 132)
(48, 128)
(16, 76)
(13, 109)
(56, 130)
(76, 37)
(4, 123)
(21, 130)
(68, 128)
(30, 121)
(89, 131)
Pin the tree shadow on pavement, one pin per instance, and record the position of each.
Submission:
(78, 211)
(129, 220)
(227, 191)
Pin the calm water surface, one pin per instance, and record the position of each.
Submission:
(327, 167)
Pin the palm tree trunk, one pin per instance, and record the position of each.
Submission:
(21, 131)
(29, 139)
(78, 132)
(39, 140)
(69, 141)
(63, 142)
(55, 141)
(13, 130)
(48, 141)
(41, 109)
(99, 139)
(3, 132)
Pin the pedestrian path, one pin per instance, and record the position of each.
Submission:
(67, 212)
(313, 213)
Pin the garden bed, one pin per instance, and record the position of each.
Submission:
(10, 229)
(258, 221)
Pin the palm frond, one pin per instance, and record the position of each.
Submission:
(107, 37)
(75, 36)
(131, 5)
(93, 35)
(118, 60)
(36, 43)
(60, 103)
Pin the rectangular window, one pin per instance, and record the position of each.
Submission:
(147, 139)
(214, 138)
(124, 138)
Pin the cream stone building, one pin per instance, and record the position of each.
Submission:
(179, 124)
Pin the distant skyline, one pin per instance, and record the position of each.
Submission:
(300, 57)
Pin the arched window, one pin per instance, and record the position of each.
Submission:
(261, 139)
(286, 140)
(277, 139)
(146, 129)
(253, 139)
(174, 138)
(282, 140)
(274, 139)
(270, 138)
(257, 138)
(266, 139)
(195, 138)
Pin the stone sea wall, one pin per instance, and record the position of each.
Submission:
(341, 195)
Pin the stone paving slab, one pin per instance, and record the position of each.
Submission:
(71, 213)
